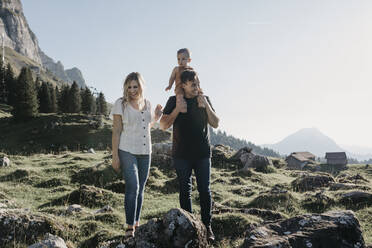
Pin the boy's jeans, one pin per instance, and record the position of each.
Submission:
(202, 169)
(135, 169)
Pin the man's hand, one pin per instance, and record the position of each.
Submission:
(168, 88)
(116, 163)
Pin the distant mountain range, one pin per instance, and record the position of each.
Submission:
(19, 37)
(314, 141)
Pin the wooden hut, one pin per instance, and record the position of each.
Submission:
(336, 158)
(297, 160)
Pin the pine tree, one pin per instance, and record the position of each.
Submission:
(45, 99)
(2, 82)
(87, 101)
(63, 99)
(101, 104)
(26, 105)
(74, 99)
(53, 97)
(10, 85)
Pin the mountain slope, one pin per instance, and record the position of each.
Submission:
(307, 139)
(19, 37)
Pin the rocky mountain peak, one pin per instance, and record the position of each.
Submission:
(19, 37)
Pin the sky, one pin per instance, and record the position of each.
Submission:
(270, 67)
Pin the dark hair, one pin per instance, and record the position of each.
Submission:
(185, 51)
(188, 75)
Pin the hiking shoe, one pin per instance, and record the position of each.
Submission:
(210, 234)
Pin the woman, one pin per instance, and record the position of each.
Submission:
(131, 144)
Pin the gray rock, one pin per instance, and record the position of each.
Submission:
(251, 160)
(356, 199)
(332, 229)
(74, 208)
(5, 161)
(178, 228)
(50, 241)
(308, 182)
(105, 209)
(162, 148)
(91, 150)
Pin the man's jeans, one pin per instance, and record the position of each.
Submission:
(135, 169)
(202, 170)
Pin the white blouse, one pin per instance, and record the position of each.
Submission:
(136, 136)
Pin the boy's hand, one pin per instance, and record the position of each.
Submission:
(168, 88)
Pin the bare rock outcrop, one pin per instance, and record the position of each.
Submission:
(332, 229)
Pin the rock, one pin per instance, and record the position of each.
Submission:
(99, 175)
(318, 202)
(356, 199)
(162, 148)
(347, 178)
(312, 181)
(178, 228)
(332, 229)
(347, 186)
(16, 225)
(5, 162)
(88, 196)
(221, 155)
(91, 150)
(50, 241)
(251, 160)
(74, 208)
(160, 136)
(105, 209)
(262, 213)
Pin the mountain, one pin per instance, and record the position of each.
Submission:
(19, 37)
(307, 139)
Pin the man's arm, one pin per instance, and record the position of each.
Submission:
(167, 120)
(213, 120)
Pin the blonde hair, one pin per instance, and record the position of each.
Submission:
(136, 76)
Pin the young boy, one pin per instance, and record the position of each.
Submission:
(183, 58)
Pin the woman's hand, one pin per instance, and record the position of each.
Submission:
(158, 112)
(116, 163)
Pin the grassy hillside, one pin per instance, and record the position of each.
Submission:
(47, 184)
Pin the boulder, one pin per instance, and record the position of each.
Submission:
(332, 229)
(4, 162)
(162, 148)
(178, 228)
(221, 157)
(251, 160)
(356, 199)
(160, 136)
(347, 186)
(74, 208)
(309, 182)
(20, 225)
(50, 241)
(347, 178)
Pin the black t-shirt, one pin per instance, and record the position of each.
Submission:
(190, 130)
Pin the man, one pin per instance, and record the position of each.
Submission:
(191, 146)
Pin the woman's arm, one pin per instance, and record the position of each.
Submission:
(116, 132)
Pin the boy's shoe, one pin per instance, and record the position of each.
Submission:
(210, 234)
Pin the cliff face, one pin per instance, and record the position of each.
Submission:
(19, 37)
(17, 34)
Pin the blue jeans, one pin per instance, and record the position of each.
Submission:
(202, 170)
(135, 169)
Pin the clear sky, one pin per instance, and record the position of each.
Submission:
(270, 67)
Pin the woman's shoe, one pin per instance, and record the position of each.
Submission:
(129, 233)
